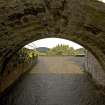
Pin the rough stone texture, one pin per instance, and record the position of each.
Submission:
(8, 78)
(24, 21)
(94, 68)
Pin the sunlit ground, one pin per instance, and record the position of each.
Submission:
(56, 65)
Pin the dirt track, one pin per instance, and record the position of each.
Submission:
(54, 81)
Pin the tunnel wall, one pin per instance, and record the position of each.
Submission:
(24, 21)
(93, 67)
(8, 78)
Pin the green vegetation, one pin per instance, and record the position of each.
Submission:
(80, 52)
(24, 55)
(63, 50)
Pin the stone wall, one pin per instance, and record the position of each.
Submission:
(12, 73)
(93, 67)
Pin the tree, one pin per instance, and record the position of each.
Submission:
(61, 50)
(80, 51)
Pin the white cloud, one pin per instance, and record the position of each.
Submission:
(52, 42)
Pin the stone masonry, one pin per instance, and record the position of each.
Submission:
(24, 21)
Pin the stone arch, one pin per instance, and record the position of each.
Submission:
(82, 21)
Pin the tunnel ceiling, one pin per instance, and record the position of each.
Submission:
(24, 21)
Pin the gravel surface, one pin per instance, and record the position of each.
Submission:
(54, 81)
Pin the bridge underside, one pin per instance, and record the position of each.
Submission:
(24, 21)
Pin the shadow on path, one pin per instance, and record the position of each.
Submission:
(53, 82)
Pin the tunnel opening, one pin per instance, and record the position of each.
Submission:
(58, 72)
(90, 65)
(63, 49)
(74, 39)
(57, 47)
(26, 43)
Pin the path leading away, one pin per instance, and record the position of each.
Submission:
(53, 81)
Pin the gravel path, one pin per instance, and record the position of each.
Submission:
(53, 81)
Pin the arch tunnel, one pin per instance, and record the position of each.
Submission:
(24, 21)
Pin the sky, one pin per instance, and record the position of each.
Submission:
(52, 42)
(102, 0)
